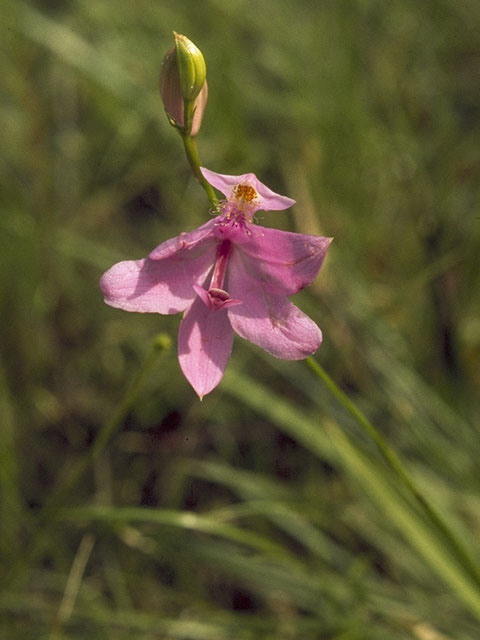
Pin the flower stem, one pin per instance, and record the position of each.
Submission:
(191, 151)
(393, 461)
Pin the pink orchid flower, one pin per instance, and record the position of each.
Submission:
(228, 275)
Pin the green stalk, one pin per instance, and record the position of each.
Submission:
(394, 463)
(191, 150)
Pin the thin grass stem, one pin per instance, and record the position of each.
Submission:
(394, 463)
(73, 584)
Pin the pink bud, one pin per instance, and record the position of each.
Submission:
(172, 95)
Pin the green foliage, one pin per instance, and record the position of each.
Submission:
(262, 512)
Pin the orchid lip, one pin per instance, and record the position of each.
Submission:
(245, 199)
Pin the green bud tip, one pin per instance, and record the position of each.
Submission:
(192, 69)
(172, 85)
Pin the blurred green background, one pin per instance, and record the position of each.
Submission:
(261, 512)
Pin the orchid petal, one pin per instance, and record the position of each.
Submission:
(186, 241)
(282, 261)
(205, 343)
(269, 200)
(163, 284)
(269, 320)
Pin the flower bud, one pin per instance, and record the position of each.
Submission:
(191, 67)
(172, 88)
